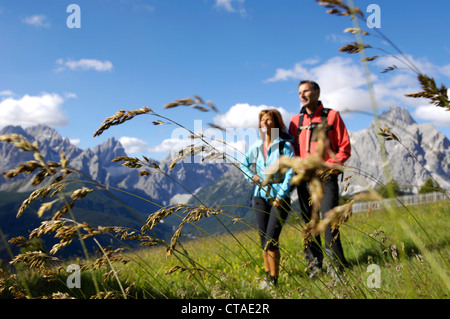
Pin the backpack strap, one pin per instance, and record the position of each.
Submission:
(281, 147)
(312, 126)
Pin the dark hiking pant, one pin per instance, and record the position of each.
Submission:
(333, 246)
(270, 221)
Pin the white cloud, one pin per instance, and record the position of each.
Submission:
(244, 115)
(408, 63)
(144, 8)
(84, 64)
(343, 84)
(433, 114)
(339, 38)
(299, 71)
(170, 144)
(6, 93)
(227, 5)
(341, 81)
(70, 95)
(32, 110)
(75, 141)
(445, 70)
(133, 145)
(38, 20)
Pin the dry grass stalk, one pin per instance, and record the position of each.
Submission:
(45, 207)
(192, 270)
(44, 170)
(338, 7)
(193, 214)
(196, 103)
(25, 146)
(437, 96)
(67, 230)
(37, 260)
(390, 68)
(20, 142)
(110, 256)
(134, 162)
(208, 152)
(355, 31)
(387, 134)
(61, 295)
(354, 47)
(340, 214)
(124, 233)
(119, 118)
(9, 284)
(122, 116)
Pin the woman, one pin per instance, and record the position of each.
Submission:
(271, 202)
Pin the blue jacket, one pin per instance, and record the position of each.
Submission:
(255, 155)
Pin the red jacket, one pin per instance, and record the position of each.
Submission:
(339, 139)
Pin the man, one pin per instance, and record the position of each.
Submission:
(312, 113)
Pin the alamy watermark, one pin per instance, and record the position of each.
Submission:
(74, 19)
(374, 280)
(73, 280)
(374, 19)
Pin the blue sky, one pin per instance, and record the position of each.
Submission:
(243, 55)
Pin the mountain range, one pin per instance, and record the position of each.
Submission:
(420, 150)
(97, 163)
(417, 152)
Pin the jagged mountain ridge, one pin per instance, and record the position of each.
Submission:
(420, 148)
(185, 177)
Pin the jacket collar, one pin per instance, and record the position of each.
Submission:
(318, 109)
(275, 141)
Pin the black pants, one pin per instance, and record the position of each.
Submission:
(270, 221)
(333, 246)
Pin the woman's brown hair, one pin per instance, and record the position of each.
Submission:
(278, 119)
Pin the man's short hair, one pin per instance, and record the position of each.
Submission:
(313, 84)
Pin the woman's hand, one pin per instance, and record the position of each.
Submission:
(277, 202)
(256, 178)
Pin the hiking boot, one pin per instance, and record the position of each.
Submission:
(314, 271)
(336, 273)
(268, 284)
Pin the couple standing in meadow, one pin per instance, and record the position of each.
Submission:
(272, 202)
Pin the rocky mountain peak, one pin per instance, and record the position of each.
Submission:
(429, 146)
(398, 114)
(10, 129)
(109, 149)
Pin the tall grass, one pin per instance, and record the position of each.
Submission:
(406, 246)
(368, 240)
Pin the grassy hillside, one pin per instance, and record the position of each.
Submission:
(392, 254)
(411, 264)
